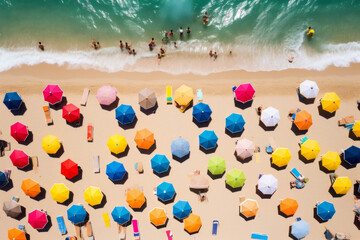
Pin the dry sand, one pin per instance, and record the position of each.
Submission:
(275, 89)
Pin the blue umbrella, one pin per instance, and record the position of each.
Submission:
(300, 229)
(208, 139)
(125, 114)
(3, 179)
(120, 215)
(181, 209)
(76, 214)
(352, 155)
(12, 100)
(201, 112)
(160, 163)
(115, 171)
(325, 210)
(165, 191)
(234, 123)
(180, 147)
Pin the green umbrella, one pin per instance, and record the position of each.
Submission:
(216, 165)
(235, 178)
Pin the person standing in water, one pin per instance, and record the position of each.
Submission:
(121, 45)
(152, 41)
(310, 32)
(41, 46)
(206, 18)
(171, 33)
(181, 31)
(188, 31)
(127, 45)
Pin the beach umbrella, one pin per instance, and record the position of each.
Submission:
(12, 100)
(270, 117)
(192, 223)
(53, 94)
(199, 182)
(216, 165)
(125, 114)
(16, 234)
(76, 214)
(309, 89)
(147, 98)
(115, 171)
(120, 215)
(201, 112)
(244, 93)
(3, 179)
(69, 169)
(267, 184)
(158, 216)
(106, 95)
(249, 208)
(244, 148)
(19, 158)
(208, 139)
(160, 163)
(356, 129)
(310, 149)
(300, 229)
(325, 210)
(180, 147)
(352, 155)
(12, 208)
(288, 206)
(281, 157)
(331, 161)
(19, 131)
(342, 185)
(144, 139)
(50, 144)
(71, 113)
(303, 120)
(234, 123)
(30, 187)
(165, 191)
(37, 219)
(183, 96)
(330, 102)
(93, 196)
(135, 198)
(117, 144)
(235, 178)
(59, 192)
(181, 209)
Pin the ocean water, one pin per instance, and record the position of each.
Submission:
(262, 34)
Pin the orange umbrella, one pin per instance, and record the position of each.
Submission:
(144, 139)
(158, 217)
(288, 206)
(303, 120)
(16, 234)
(249, 208)
(30, 187)
(192, 223)
(135, 198)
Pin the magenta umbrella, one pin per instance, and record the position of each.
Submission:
(19, 131)
(37, 219)
(106, 95)
(244, 93)
(53, 94)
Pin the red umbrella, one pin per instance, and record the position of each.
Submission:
(71, 113)
(69, 169)
(19, 158)
(37, 219)
(19, 131)
(53, 94)
(245, 92)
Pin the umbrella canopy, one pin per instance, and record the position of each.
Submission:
(183, 96)
(12, 208)
(120, 215)
(181, 209)
(93, 196)
(147, 98)
(331, 161)
(69, 169)
(71, 113)
(180, 147)
(30, 187)
(325, 210)
(115, 171)
(135, 198)
(281, 157)
(267, 184)
(201, 112)
(59, 192)
(19, 131)
(165, 191)
(270, 117)
(208, 139)
(356, 129)
(342, 185)
(19, 158)
(352, 155)
(158, 216)
(330, 102)
(50, 144)
(125, 114)
(12, 100)
(310, 149)
(249, 208)
(234, 123)
(16, 234)
(53, 94)
(288, 206)
(199, 182)
(216, 165)
(3, 179)
(300, 229)
(309, 89)
(117, 144)
(244, 148)
(76, 214)
(106, 95)
(192, 223)
(37, 219)
(303, 120)
(235, 178)
(144, 139)
(244, 93)
(160, 163)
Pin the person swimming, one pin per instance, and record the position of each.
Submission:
(291, 59)
(205, 18)
(310, 32)
(41, 46)
(181, 31)
(171, 33)
(188, 31)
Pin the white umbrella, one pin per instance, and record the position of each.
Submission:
(270, 116)
(309, 89)
(244, 148)
(267, 184)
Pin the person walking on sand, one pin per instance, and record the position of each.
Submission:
(159, 58)
(181, 31)
(41, 46)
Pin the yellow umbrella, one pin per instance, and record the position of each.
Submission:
(59, 192)
(93, 196)
(117, 144)
(330, 102)
(158, 216)
(310, 149)
(183, 96)
(356, 129)
(331, 161)
(281, 157)
(342, 185)
(50, 144)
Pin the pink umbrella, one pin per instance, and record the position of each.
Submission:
(106, 95)
(245, 92)
(37, 219)
(53, 94)
(19, 131)
(19, 158)
(244, 148)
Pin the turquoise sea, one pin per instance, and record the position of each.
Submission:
(262, 34)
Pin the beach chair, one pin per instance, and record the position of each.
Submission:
(78, 232)
(295, 173)
(269, 149)
(259, 236)
(169, 235)
(139, 167)
(106, 219)
(15, 198)
(349, 126)
(136, 229)
(89, 231)
(199, 94)
(35, 163)
(96, 163)
(233, 90)
(47, 115)
(61, 225)
(122, 232)
(299, 94)
(169, 95)
(215, 227)
(346, 120)
(304, 139)
(90, 132)
(84, 97)
(21, 227)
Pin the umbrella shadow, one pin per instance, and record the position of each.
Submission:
(112, 106)
(121, 181)
(356, 190)
(59, 105)
(102, 204)
(128, 223)
(357, 222)
(324, 113)
(213, 177)
(245, 160)
(69, 200)
(28, 140)
(234, 135)
(202, 124)
(41, 195)
(161, 226)
(244, 217)
(168, 201)
(277, 167)
(77, 123)
(334, 194)
(192, 233)
(28, 167)
(77, 177)
(187, 108)
(307, 101)
(141, 209)
(129, 125)
(150, 110)
(59, 153)
(268, 129)
(178, 219)
(353, 136)
(208, 151)
(316, 216)
(163, 174)
(283, 214)
(261, 195)
(8, 186)
(233, 189)
(296, 131)
(243, 105)
(123, 154)
(303, 159)
(345, 164)
(182, 159)
(325, 170)
(147, 151)
(47, 226)
(290, 235)
(20, 111)
(22, 214)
